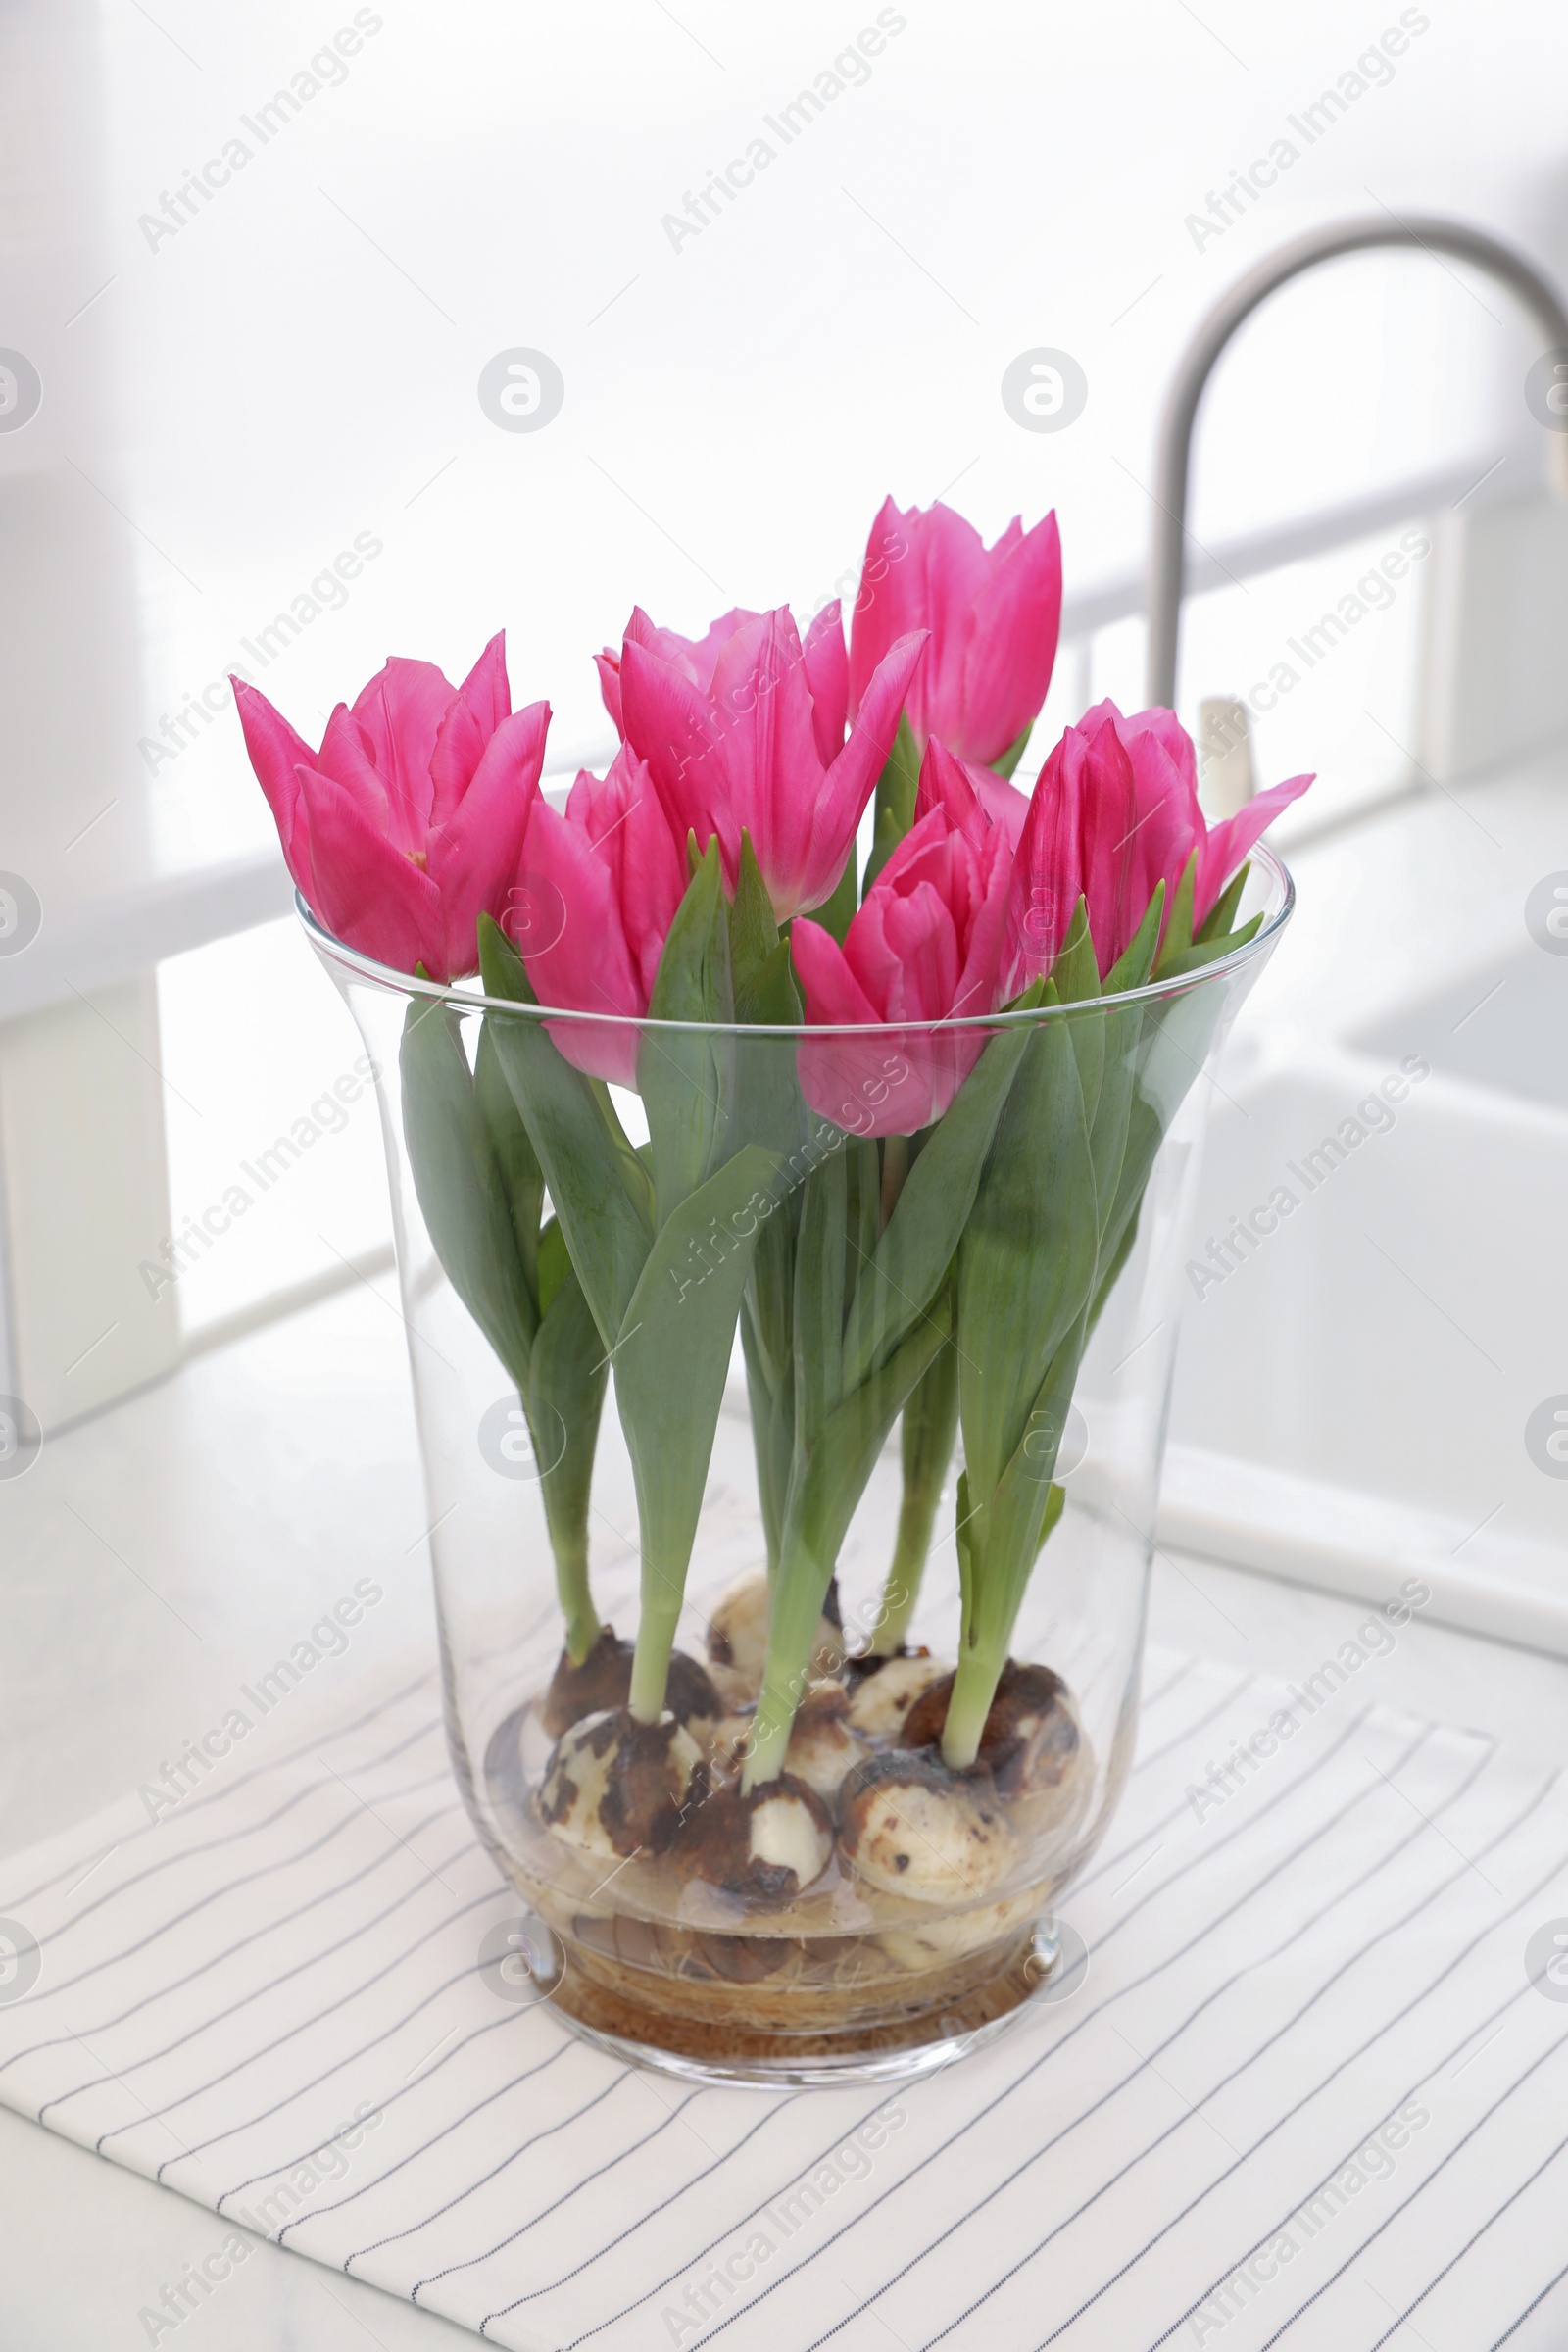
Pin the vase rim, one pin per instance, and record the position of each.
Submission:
(1277, 912)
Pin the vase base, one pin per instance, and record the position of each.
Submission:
(1049, 1965)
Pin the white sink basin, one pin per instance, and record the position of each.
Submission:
(1352, 1396)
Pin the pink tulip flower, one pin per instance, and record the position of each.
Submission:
(974, 797)
(993, 614)
(1114, 813)
(925, 945)
(595, 896)
(407, 824)
(694, 657)
(763, 748)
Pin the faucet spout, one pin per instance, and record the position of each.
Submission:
(1174, 459)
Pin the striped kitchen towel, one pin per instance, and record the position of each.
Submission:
(1313, 2088)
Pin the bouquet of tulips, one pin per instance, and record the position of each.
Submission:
(913, 1203)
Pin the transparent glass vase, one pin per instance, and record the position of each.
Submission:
(791, 1404)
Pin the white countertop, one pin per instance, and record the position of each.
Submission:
(155, 1556)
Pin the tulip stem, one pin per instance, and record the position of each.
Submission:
(656, 1639)
(974, 1686)
(583, 1626)
(930, 1425)
(799, 1588)
(895, 1169)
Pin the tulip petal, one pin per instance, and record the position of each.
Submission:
(276, 753)
(764, 703)
(473, 856)
(1003, 804)
(669, 723)
(891, 599)
(1012, 645)
(624, 821)
(607, 664)
(827, 673)
(345, 757)
(852, 780)
(369, 892)
(833, 995)
(483, 702)
(1231, 842)
(949, 783)
(401, 710)
(587, 966)
(1047, 874)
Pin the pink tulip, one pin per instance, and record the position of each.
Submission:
(974, 797)
(1172, 824)
(993, 614)
(407, 824)
(762, 748)
(694, 657)
(1114, 813)
(595, 896)
(925, 945)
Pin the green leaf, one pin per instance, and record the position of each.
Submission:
(1220, 917)
(1179, 930)
(555, 1263)
(1010, 757)
(768, 998)
(910, 1260)
(605, 1226)
(684, 1074)
(824, 1492)
(564, 1399)
(1123, 1031)
(767, 1337)
(670, 1360)
(820, 1250)
(1207, 951)
(925, 1443)
(461, 1183)
(1005, 1536)
(857, 1430)
(1136, 962)
(1075, 977)
(864, 1209)
(1026, 1260)
(772, 1416)
(521, 1176)
(895, 791)
(753, 932)
(837, 912)
(634, 1163)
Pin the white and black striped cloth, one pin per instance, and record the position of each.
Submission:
(1309, 2093)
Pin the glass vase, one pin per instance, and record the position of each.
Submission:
(791, 1404)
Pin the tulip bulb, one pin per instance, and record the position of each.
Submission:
(616, 1786)
(911, 1828)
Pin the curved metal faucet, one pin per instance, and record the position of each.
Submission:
(1173, 463)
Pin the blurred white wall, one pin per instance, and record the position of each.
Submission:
(261, 255)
